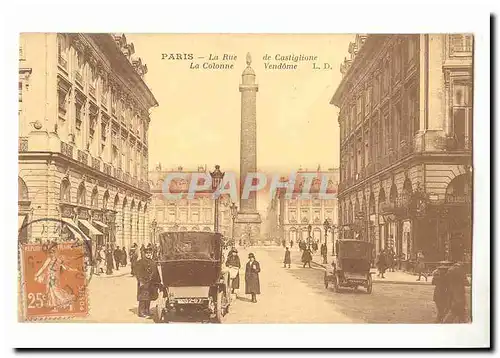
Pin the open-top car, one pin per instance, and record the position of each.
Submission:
(351, 267)
(193, 276)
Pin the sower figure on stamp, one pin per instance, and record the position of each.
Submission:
(148, 282)
(287, 260)
(234, 265)
(252, 283)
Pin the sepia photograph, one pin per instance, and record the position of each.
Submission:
(167, 179)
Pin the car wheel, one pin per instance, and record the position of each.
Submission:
(369, 285)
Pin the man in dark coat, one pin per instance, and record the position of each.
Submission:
(124, 256)
(118, 257)
(233, 262)
(323, 252)
(133, 259)
(381, 263)
(307, 257)
(287, 260)
(441, 293)
(148, 282)
(143, 248)
(109, 261)
(252, 283)
(457, 280)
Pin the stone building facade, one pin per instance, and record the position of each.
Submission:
(406, 144)
(183, 213)
(83, 139)
(293, 214)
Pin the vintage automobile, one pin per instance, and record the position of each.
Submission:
(351, 266)
(193, 276)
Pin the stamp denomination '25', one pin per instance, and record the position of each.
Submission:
(54, 281)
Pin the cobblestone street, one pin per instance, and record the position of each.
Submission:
(295, 295)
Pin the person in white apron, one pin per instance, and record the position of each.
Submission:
(233, 264)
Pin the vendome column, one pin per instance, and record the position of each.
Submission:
(248, 221)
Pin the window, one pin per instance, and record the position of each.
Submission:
(104, 129)
(352, 119)
(368, 100)
(397, 121)
(62, 51)
(366, 156)
(460, 44)
(78, 115)
(195, 216)
(380, 140)
(65, 194)
(80, 63)
(171, 215)
(412, 49)
(94, 199)
(20, 91)
(386, 78)
(413, 115)
(304, 215)
(359, 151)
(374, 141)
(376, 90)
(396, 62)
(359, 107)
(80, 197)
(183, 215)
(387, 131)
(113, 102)
(317, 216)
(462, 114)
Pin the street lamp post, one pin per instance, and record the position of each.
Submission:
(309, 229)
(327, 226)
(234, 212)
(217, 176)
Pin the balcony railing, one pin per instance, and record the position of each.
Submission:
(96, 163)
(107, 169)
(67, 149)
(23, 144)
(458, 199)
(83, 157)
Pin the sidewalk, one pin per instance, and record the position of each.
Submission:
(123, 271)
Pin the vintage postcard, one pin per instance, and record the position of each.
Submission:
(246, 178)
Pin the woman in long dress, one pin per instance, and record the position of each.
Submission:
(50, 275)
(234, 265)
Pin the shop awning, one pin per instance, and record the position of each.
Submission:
(20, 221)
(100, 223)
(89, 227)
(72, 227)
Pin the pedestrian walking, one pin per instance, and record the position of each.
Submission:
(392, 259)
(288, 259)
(291, 243)
(252, 283)
(420, 267)
(324, 252)
(143, 249)
(234, 264)
(124, 256)
(283, 243)
(457, 280)
(109, 261)
(441, 296)
(148, 283)
(381, 264)
(118, 257)
(101, 259)
(307, 257)
(133, 259)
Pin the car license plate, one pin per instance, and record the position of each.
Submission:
(189, 300)
(355, 277)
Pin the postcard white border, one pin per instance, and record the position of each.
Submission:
(133, 16)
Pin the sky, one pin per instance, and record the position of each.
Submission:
(198, 118)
